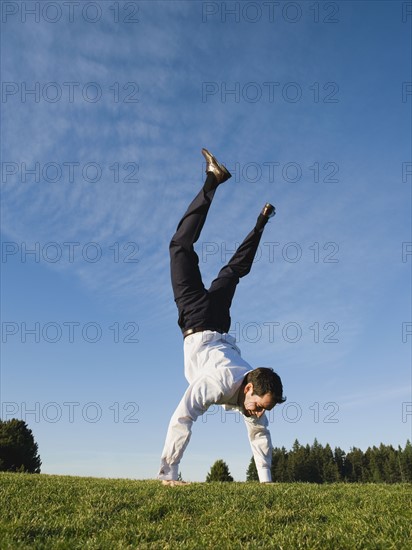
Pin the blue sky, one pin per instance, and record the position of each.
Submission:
(309, 106)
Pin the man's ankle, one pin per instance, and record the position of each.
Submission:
(211, 182)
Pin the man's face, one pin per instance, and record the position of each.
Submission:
(255, 405)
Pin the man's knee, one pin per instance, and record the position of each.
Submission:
(177, 245)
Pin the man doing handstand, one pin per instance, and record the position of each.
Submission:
(214, 368)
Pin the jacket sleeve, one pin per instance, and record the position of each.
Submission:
(261, 443)
(199, 396)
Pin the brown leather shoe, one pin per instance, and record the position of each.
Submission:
(212, 165)
(268, 211)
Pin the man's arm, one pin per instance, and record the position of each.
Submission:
(196, 400)
(261, 443)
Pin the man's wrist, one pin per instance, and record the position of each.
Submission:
(168, 472)
(265, 475)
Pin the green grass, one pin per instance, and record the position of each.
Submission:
(42, 511)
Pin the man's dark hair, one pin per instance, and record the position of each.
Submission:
(264, 381)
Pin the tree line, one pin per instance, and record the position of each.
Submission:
(310, 463)
(319, 464)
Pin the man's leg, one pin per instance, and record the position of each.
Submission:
(188, 289)
(223, 288)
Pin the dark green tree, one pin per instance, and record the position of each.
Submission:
(251, 472)
(219, 472)
(18, 450)
(375, 459)
(339, 458)
(355, 464)
(392, 466)
(293, 459)
(405, 462)
(280, 465)
(330, 470)
(299, 466)
(315, 460)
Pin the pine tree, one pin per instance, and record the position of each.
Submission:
(304, 464)
(251, 472)
(18, 450)
(405, 462)
(295, 457)
(354, 466)
(219, 472)
(330, 470)
(315, 462)
(392, 470)
(280, 465)
(375, 458)
(339, 459)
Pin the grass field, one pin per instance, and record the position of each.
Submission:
(42, 511)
